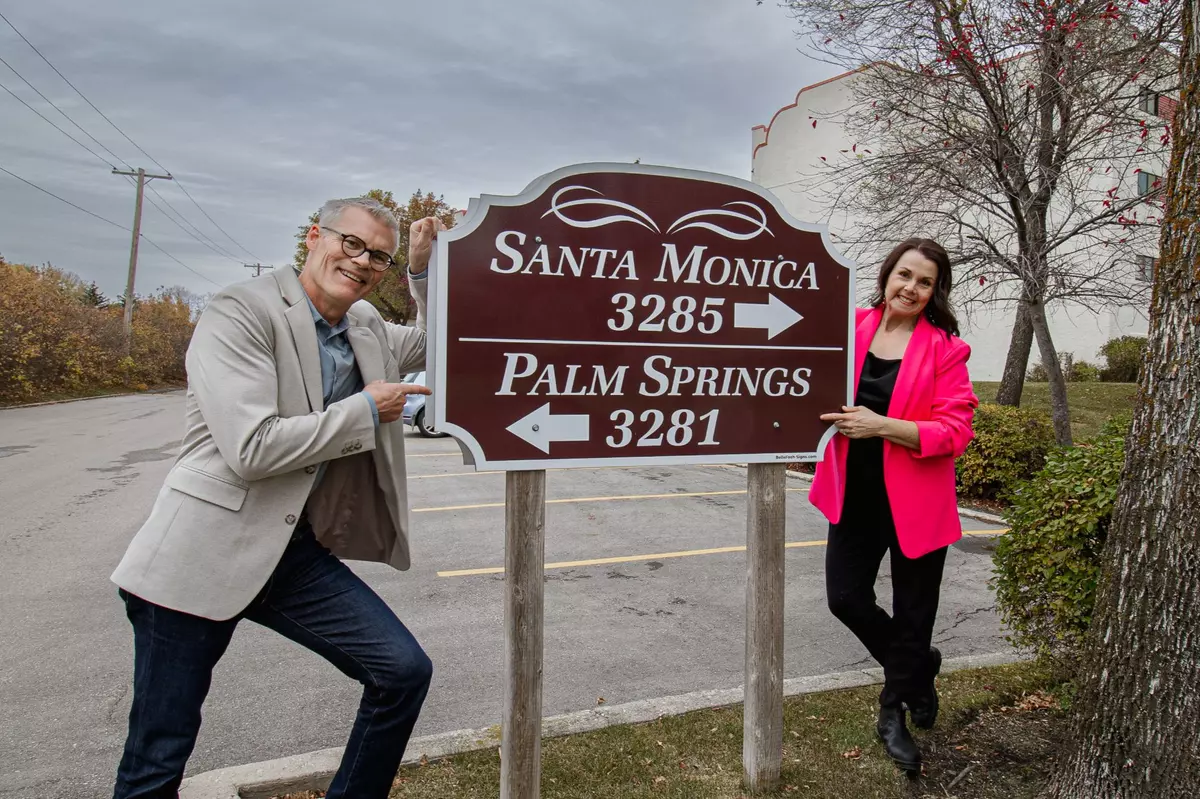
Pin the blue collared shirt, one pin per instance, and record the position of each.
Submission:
(340, 377)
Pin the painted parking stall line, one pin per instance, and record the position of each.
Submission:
(575, 564)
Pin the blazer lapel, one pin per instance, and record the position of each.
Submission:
(911, 367)
(367, 353)
(863, 336)
(304, 335)
(369, 357)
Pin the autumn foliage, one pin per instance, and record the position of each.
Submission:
(55, 341)
(391, 297)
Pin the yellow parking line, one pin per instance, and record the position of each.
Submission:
(452, 474)
(592, 499)
(434, 455)
(574, 564)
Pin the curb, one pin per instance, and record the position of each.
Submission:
(97, 397)
(314, 770)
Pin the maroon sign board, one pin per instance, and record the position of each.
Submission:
(620, 314)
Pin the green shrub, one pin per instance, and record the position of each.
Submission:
(1124, 355)
(1083, 372)
(1048, 565)
(1010, 444)
(1073, 371)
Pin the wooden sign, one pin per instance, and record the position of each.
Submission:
(617, 314)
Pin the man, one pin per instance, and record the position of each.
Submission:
(289, 462)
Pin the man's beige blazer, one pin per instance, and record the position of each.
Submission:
(257, 429)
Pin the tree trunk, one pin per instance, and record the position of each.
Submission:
(1058, 383)
(1136, 722)
(1012, 384)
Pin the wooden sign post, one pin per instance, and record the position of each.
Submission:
(762, 730)
(632, 315)
(524, 556)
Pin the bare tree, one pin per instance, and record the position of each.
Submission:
(195, 301)
(1014, 132)
(1136, 719)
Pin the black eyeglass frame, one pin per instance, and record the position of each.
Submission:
(353, 252)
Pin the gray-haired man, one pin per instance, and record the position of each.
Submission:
(290, 462)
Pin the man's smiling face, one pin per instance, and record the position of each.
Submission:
(333, 280)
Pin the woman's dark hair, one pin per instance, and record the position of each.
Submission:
(938, 311)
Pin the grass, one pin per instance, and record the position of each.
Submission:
(1091, 404)
(997, 733)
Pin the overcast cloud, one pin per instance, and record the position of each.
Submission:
(265, 109)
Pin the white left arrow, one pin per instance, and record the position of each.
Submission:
(775, 316)
(541, 429)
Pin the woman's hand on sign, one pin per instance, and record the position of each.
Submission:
(390, 397)
(856, 421)
(421, 235)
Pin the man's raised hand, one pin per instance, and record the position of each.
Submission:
(421, 235)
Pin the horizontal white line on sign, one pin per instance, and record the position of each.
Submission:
(571, 564)
(645, 344)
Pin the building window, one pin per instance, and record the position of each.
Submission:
(1148, 102)
(1166, 109)
(1148, 182)
(1147, 265)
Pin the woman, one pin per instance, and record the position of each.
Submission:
(887, 482)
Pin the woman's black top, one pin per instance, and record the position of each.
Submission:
(865, 490)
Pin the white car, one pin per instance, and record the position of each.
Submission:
(414, 408)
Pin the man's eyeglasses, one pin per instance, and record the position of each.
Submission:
(353, 246)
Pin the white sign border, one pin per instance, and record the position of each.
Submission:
(437, 340)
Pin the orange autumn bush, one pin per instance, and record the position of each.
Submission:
(54, 341)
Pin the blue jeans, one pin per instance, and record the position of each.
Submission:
(316, 601)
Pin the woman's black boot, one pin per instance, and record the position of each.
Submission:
(897, 739)
(924, 711)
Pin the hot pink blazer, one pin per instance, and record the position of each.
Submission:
(934, 390)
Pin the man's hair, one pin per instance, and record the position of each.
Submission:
(331, 212)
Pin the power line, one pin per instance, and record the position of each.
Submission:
(127, 138)
(210, 219)
(161, 210)
(150, 241)
(207, 243)
(81, 94)
(60, 199)
(55, 126)
(110, 222)
(67, 116)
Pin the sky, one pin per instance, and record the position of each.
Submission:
(264, 110)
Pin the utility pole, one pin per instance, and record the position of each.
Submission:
(133, 247)
(257, 268)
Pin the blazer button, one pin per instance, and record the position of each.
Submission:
(357, 446)
(290, 519)
(310, 469)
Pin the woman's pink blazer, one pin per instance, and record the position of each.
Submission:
(934, 390)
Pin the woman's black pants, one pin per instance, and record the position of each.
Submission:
(900, 642)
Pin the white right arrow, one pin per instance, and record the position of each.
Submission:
(774, 317)
(541, 429)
